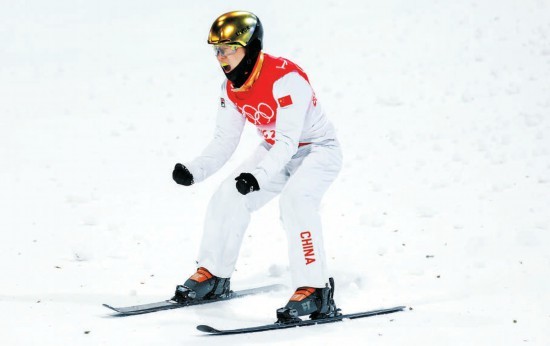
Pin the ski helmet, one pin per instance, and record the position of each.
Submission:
(237, 27)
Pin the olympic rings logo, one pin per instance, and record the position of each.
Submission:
(263, 112)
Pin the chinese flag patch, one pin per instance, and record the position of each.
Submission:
(285, 101)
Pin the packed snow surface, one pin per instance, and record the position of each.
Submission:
(443, 203)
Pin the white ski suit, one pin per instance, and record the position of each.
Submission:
(299, 158)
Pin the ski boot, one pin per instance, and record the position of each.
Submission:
(202, 286)
(316, 302)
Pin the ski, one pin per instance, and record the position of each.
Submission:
(304, 323)
(170, 304)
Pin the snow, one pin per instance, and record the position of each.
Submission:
(443, 203)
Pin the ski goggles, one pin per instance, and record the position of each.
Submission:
(225, 49)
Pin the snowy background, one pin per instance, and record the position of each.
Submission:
(443, 205)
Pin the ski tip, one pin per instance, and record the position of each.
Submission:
(396, 309)
(207, 329)
(110, 307)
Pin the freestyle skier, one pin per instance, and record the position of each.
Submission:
(298, 159)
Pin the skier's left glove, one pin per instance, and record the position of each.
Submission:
(246, 183)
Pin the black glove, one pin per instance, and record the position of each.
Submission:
(246, 183)
(182, 176)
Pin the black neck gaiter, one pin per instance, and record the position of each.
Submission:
(240, 74)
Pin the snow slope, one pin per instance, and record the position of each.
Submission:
(443, 110)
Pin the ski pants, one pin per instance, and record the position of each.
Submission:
(301, 186)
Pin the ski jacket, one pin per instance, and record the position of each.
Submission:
(280, 102)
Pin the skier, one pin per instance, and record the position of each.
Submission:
(298, 159)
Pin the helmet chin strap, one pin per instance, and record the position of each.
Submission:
(241, 72)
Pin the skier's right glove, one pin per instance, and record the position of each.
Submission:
(182, 176)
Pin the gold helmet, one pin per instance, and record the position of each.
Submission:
(236, 27)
